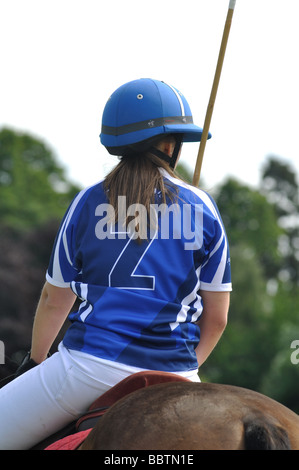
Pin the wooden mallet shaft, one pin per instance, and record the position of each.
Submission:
(210, 108)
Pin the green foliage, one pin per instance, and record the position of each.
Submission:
(34, 195)
(244, 352)
(33, 187)
(282, 379)
(251, 220)
(262, 228)
(280, 186)
(254, 351)
(183, 173)
(24, 259)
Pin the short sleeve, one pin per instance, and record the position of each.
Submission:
(62, 269)
(215, 273)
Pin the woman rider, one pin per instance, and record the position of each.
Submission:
(148, 257)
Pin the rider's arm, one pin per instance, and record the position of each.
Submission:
(212, 322)
(53, 308)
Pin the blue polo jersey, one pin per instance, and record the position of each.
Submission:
(140, 299)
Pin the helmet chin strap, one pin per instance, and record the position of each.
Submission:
(171, 160)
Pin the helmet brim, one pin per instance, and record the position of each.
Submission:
(191, 134)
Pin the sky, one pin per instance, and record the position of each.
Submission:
(62, 59)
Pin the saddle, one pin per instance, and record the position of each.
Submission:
(72, 436)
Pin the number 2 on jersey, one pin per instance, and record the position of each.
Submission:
(122, 274)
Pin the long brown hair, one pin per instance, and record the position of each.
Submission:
(138, 178)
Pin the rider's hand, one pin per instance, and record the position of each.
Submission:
(25, 365)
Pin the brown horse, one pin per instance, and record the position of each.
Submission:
(195, 416)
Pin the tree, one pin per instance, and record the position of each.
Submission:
(250, 219)
(33, 186)
(281, 380)
(34, 195)
(246, 348)
(24, 258)
(183, 172)
(262, 228)
(280, 185)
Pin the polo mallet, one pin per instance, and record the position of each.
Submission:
(213, 94)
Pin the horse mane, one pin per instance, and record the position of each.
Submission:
(262, 434)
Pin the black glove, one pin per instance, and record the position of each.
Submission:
(25, 365)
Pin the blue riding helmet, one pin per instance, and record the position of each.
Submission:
(142, 110)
